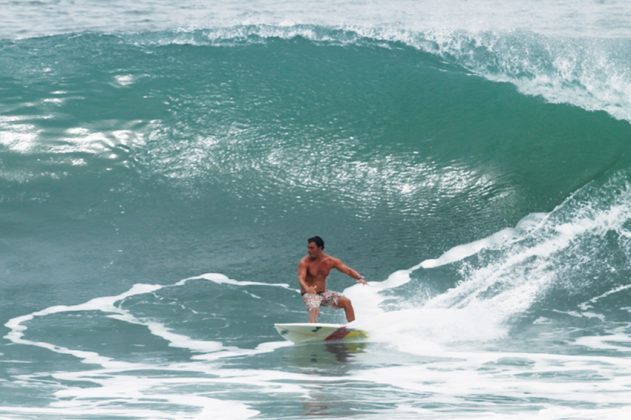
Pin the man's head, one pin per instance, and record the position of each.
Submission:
(315, 246)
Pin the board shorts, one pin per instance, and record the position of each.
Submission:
(315, 300)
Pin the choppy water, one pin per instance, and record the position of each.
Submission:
(162, 165)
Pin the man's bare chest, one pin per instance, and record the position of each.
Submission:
(319, 269)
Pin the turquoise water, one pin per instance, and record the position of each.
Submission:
(161, 167)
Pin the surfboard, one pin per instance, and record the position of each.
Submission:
(311, 332)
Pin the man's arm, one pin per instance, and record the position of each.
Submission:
(302, 277)
(340, 266)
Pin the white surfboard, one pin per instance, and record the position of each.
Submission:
(310, 332)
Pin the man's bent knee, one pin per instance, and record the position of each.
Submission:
(344, 302)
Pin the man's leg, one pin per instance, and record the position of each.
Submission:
(345, 303)
(313, 314)
(312, 302)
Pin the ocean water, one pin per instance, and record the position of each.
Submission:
(162, 164)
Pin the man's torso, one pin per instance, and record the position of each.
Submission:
(318, 271)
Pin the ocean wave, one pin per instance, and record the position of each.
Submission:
(591, 73)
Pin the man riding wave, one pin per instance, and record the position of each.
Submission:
(313, 271)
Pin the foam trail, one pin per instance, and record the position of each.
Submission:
(460, 252)
(201, 346)
(17, 327)
(458, 374)
(589, 304)
(130, 392)
(133, 388)
(532, 261)
(115, 385)
(108, 305)
(495, 241)
(223, 279)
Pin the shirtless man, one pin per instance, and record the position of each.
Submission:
(312, 273)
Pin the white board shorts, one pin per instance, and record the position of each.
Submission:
(315, 300)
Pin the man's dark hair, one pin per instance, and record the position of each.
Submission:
(317, 240)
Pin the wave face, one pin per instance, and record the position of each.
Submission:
(162, 165)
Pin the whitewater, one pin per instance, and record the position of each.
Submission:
(162, 165)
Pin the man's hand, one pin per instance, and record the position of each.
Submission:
(362, 280)
(311, 289)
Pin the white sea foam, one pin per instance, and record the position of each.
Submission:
(126, 390)
(517, 267)
(458, 377)
(17, 326)
(589, 304)
(449, 376)
(494, 241)
(108, 305)
(620, 341)
(114, 384)
(223, 279)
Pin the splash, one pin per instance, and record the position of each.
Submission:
(504, 275)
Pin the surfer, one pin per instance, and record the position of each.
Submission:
(313, 270)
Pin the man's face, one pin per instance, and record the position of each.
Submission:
(313, 250)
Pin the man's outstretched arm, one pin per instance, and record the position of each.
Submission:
(340, 266)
